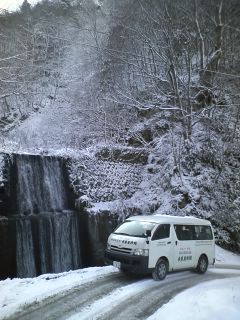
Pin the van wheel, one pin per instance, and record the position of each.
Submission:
(202, 264)
(160, 271)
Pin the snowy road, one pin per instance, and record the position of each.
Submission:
(115, 296)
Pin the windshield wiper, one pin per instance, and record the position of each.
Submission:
(121, 233)
(131, 235)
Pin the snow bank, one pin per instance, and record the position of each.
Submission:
(217, 299)
(226, 257)
(16, 293)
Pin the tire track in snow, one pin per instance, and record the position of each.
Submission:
(140, 300)
(115, 296)
(63, 305)
(112, 306)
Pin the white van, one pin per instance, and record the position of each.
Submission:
(161, 243)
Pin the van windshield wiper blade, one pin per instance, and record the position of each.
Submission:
(131, 235)
(121, 233)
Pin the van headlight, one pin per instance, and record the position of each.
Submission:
(140, 252)
(108, 246)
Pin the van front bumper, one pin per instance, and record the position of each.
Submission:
(134, 264)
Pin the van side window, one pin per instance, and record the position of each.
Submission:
(203, 233)
(185, 232)
(162, 232)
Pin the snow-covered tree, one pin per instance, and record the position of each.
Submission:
(25, 8)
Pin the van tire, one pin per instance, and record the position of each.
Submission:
(202, 264)
(160, 271)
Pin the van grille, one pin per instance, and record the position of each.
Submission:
(122, 250)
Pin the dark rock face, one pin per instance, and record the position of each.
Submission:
(99, 227)
(7, 232)
(5, 200)
(135, 156)
(143, 136)
(7, 249)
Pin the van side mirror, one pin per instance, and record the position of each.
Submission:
(148, 233)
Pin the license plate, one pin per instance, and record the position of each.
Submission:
(117, 264)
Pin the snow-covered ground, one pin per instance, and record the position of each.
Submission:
(215, 299)
(226, 257)
(16, 293)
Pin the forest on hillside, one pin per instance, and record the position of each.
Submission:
(160, 76)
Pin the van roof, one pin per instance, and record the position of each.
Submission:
(158, 218)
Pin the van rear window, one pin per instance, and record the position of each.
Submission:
(203, 233)
(193, 232)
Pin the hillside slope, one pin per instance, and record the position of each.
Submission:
(142, 95)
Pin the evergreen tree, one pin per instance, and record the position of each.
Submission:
(25, 7)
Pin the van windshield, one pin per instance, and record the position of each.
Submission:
(134, 228)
